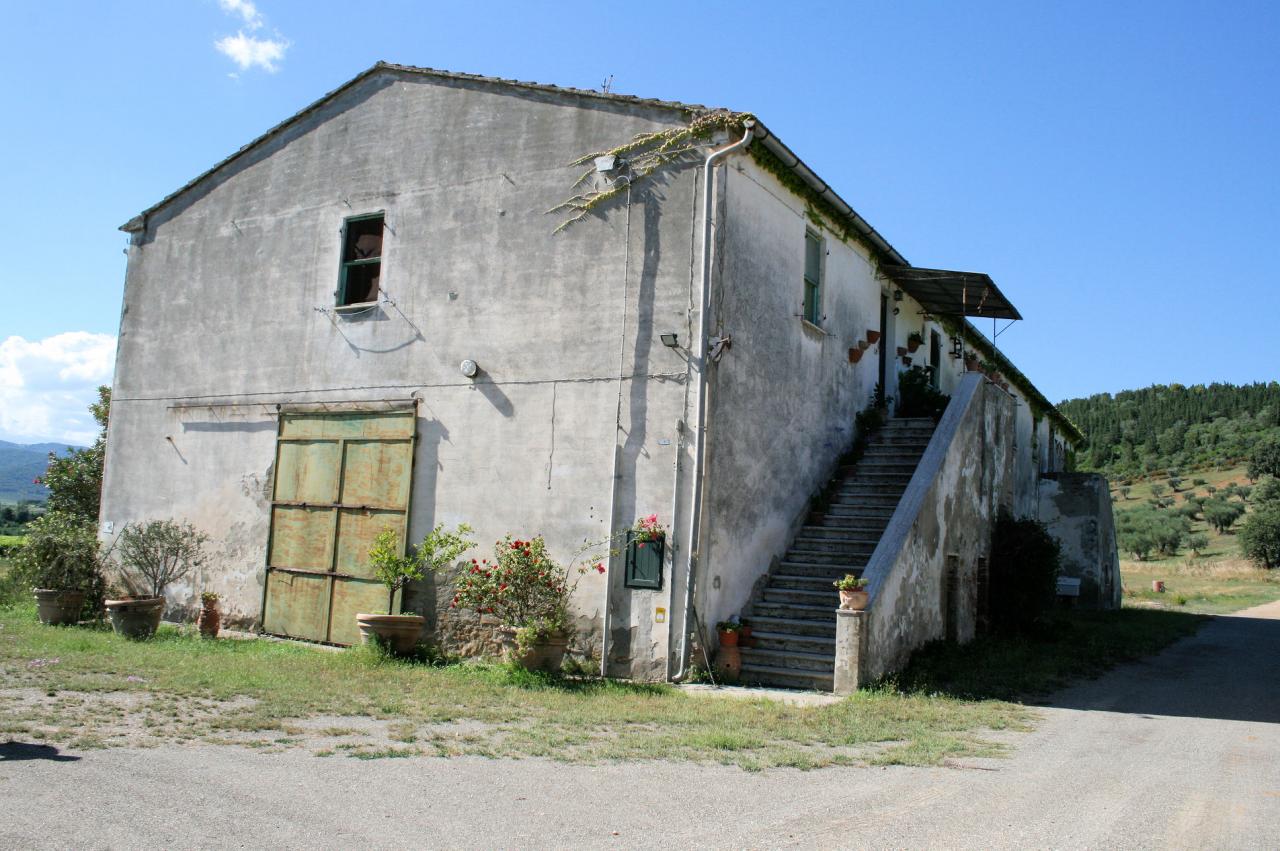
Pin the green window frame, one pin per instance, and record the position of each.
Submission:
(813, 254)
(643, 564)
(360, 271)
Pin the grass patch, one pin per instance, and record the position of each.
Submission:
(1193, 585)
(178, 687)
(1072, 646)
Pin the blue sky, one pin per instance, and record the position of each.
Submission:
(1114, 166)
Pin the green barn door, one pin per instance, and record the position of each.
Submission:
(340, 480)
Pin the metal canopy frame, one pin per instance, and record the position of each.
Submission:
(947, 293)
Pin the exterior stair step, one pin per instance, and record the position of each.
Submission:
(769, 675)
(811, 597)
(806, 583)
(793, 641)
(823, 663)
(794, 611)
(798, 627)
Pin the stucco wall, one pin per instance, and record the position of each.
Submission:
(783, 398)
(948, 510)
(228, 312)
(1077, 509)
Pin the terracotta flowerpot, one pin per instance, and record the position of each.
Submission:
(136, 617)
(546, 655)
(729, 639)
(873, 337)
(744, 637)
(855, 601)
(728, 662)
(855, 355)
(1157, 585)
(58, 607)
(902, 350)
(209, 621)
(972, 366)
(398, 633)
(912, 345)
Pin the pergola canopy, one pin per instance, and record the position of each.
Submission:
(947, 293)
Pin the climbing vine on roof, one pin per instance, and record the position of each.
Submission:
(641, 157)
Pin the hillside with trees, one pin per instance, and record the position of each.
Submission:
(1196, 427)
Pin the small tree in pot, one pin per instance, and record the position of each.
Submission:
(61, 560)
(152, 556)
(395, 569)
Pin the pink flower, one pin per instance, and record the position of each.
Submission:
(599, 567)
(652, 519)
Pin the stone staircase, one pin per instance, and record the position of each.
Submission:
(793, 621)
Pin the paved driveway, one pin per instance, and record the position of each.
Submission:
(1181, 750)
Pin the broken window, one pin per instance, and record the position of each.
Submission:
(361, 260)
(812, 277)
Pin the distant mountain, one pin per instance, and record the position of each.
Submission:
(22, 462)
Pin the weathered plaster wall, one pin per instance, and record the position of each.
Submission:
(1077, 509)
(783, 398)
(227, 312)
(948, 510)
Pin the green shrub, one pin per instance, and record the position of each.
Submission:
(60, 553)
(157, 553)
(1268, 490)
(917, 397)
(1197, 543)
(1024, 573)
(1260, 535)
(1265, 459)
(1143, 531)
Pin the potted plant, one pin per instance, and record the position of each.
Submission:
(728, 632)
(873, 337)
(914, 341)
(647, 529)
(971, 362)
(152, 555)
(396, 569)
(62, 561)
(210, 619)
(528, 593)
(853, 594)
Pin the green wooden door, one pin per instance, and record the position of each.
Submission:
(340, 480)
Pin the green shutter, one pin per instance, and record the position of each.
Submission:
(644, 563)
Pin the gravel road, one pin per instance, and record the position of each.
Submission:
(1181, 750)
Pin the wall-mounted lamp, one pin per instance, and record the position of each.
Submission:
(469, 368)
(957, 348)
(670, 339)
(605, 163)
(897, 295)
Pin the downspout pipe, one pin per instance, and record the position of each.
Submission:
(699, 444)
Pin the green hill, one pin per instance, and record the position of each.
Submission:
(1137, 432)
(20, 464)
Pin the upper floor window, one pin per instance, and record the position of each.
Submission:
(361, 260)
(813, 251)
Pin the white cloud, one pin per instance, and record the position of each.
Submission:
(46, 386)
(247, 11)
(247, 51)
(250, 51)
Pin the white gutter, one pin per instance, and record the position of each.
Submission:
(699, 423)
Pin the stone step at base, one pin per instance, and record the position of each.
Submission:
(766, 675)
(821, 663)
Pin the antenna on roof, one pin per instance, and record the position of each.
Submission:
(607, 85)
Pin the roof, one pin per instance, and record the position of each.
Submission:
(888, 254)
(950, 293)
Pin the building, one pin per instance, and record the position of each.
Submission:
(398, 308)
